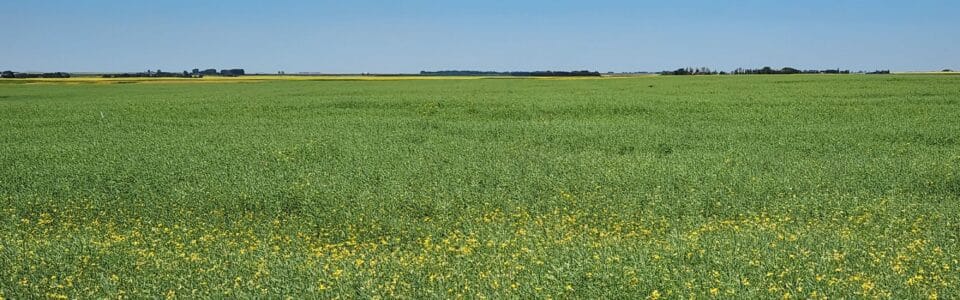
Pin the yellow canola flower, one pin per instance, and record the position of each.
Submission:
(57, 296)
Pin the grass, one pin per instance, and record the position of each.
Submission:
(648, 187)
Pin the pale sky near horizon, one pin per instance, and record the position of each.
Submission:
(499, 35)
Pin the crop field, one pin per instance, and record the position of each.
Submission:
(703, 187)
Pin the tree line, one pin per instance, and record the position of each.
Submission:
(514, 73)
(763, 71)
(12, 74)
(787, 70)
(195, 73)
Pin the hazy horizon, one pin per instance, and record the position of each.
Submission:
(410, 36)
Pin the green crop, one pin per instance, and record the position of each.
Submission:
(652, 187)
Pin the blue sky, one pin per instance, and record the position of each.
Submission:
(409, 36)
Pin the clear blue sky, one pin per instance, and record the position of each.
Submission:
(409, 36)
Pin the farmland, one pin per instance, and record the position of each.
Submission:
(651, 187)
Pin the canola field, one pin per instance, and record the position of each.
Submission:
(799, 187)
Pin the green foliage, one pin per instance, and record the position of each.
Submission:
(734, 187)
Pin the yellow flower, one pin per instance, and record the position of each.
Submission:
(915, 279)
(655, 295)
(45, 219)
(57, 296)
(714, 291)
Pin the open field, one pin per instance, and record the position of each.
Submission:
(648, 187)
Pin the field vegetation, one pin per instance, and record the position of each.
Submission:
(778, 186)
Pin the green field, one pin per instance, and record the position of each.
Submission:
(670, 187)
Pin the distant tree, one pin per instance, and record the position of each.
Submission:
(54, 75)
(691, 71)
(947, 70)
(232, 72)
(196, 71)
(148, 73)
(7, 74)
(789, 70)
